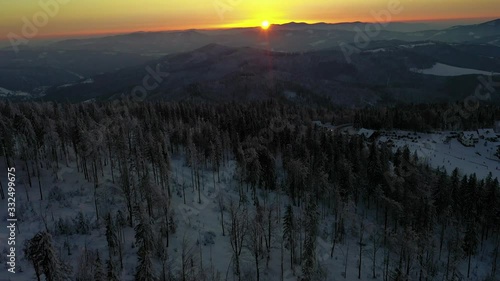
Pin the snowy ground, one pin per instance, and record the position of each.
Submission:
(194, 221)
(9, 93)
(433, 149)
(440, 69)
(437, 152)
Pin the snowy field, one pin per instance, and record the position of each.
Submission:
(433, 149)
(9, 93)
(440, 69)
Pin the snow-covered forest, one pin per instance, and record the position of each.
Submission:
(236, 191)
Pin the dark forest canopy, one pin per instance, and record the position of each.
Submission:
(277, 148)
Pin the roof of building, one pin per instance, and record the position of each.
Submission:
(325, 125)
(487, 133)
(470, 135)
(367, 133)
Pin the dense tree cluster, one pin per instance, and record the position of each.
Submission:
(465, 115)
(386, 200)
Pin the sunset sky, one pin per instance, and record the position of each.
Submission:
(79, 17)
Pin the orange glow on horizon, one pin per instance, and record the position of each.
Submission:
(253, 24)
(107, 17)
(243, 24)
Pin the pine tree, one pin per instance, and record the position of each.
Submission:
(42, 254)
(99, 271)
(254, 175)
(237, 233)
(309, 265)
(145, 239)
(470, 243)
(126, 186)
(110, 269)
(289, 233)
(254, 241)
(116, 235)
(143, 231)
(111, 236)
(221, 207)
(145, 270)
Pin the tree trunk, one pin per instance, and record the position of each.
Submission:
(237, 265)
(199, 195)
(495, 259)
(96, 207)
(120, 254)
(441, 238)
(361, 232)
(448, 263)
(408, 263)
(28, 171)
(360, 260)
(421, 268)
(37, 272)
(385, 226)
(281, 262)
(1, 191)
(374, 259)
(257, 266)
(222, 222)
(468, 266)
(38, 175)
(333, 245)
(346, 258)
(164, 273)
(111, 163)
(387, 259)
(184, 191)
(26, 191)
(192, 176)
(213, 175)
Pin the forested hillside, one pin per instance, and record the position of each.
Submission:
(236, 191)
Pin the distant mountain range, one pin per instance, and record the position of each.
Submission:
(286, 37)
(220, 73)
(294, 61)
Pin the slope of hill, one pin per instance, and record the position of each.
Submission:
(220, 73)
(42, 67)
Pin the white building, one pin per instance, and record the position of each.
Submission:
(366, 133)
(330, 127)
(468, 138)
(487, 134)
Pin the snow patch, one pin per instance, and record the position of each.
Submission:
(86, 81)
(440, 69)
(66, 85)
(376, 50)
(443, 149)
(411, 46)
(75, 74)
(9, 93)
(317, 43)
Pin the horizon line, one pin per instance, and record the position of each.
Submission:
(106, 33)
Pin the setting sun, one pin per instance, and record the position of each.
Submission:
(265, 24)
